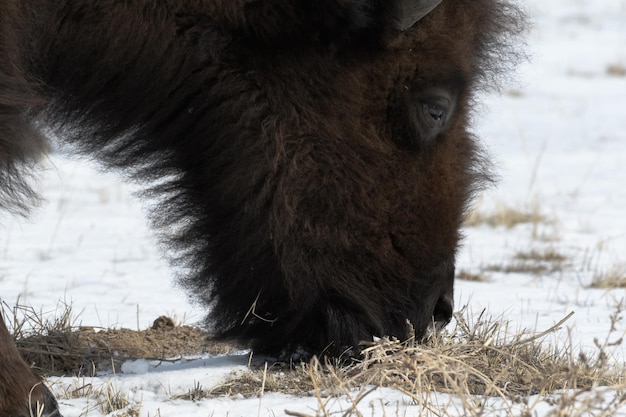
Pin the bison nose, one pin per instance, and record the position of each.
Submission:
(442, 314)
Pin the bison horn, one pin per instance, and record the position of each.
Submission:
(410, 12)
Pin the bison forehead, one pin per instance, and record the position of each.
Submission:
(323, 81)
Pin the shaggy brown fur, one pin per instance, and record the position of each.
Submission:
(22, 393)
(312, 163)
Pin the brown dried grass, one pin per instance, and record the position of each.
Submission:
(479, 358)
(536, 262)
(507, 216)
(59, 347)
(613, 278)
(616, 70)
(478, 361)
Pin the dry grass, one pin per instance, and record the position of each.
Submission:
(472, 276)
(59, 347)
(478, 360)
(507, 216)
(535, 262)
(613, 278)
(549, 255)
(107, 398)
(115, 402)
(616, 70)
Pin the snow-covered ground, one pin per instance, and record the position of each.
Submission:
(558, 139)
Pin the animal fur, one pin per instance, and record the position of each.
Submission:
(300, 185)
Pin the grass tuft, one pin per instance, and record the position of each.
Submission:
(616, 70)
(59, 347)
(506, 216)
(472, 276)
(613, 278)
(478, 360)
(112, 400)
(535, 261)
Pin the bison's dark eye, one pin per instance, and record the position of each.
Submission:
(421, 116)
(436, 112)
(434, 108)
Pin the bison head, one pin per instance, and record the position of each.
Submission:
(343, 167)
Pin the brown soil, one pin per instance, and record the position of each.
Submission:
(86, 350)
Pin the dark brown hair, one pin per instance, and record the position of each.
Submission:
(310, 163)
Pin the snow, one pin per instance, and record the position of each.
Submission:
(558, 140)
(137, 367)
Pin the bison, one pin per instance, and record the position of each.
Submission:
(310, 161)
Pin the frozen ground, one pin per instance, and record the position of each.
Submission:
(558, 139)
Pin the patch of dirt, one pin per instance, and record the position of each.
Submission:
(86, 350)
